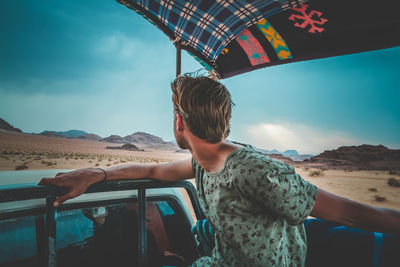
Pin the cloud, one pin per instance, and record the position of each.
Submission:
(304, 139)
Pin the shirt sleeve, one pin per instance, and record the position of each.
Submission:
(278, 188)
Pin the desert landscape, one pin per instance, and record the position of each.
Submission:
(368, 174)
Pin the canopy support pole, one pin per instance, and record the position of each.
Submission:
(178, 59)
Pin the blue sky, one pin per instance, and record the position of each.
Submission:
(97, 66)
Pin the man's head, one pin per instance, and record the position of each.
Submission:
(205, 106)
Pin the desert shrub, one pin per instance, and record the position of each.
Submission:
(393, 172)
(21, 167)
(97, 164)
(108, 164)
(373, 189)
(380, 199)
(393, 182)
(316, 173)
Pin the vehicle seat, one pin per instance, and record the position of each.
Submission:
(330, 244)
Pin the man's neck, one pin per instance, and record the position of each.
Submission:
(211, 156)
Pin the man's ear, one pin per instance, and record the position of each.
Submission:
(179, 122)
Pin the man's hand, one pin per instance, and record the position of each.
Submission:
(76, 182)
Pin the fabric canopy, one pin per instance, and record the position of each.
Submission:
(232, 37)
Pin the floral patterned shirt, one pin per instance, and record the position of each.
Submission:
(256, 206)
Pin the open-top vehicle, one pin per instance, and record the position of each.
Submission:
(145, 223)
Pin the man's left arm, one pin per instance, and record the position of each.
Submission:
(350, 213)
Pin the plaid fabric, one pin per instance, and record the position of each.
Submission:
(208, 26)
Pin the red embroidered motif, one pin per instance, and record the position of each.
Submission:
(307, 19)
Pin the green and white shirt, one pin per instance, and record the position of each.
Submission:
(256, 206)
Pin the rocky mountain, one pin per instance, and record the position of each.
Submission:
(300, 157)
(65, 134)
(8, 127)
(128, 146)
(274, 151)
(72, 133)
(288, 153)
(115, 139)
(363, 157)
(51, 134)
(91, 137)
(291, 154)
(143, 138)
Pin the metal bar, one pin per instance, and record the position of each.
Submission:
(33, 191)
(195, 202)
(51, 218)
(178, 59)
(142, 237)
(41, 240)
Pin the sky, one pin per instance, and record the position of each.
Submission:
(97, 66)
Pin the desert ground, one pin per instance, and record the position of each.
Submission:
(32, 152)
(35, 152)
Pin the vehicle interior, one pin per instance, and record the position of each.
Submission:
(152, 230)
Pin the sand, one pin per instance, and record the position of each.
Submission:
(40, 152)
(37, 152)
(368, 187)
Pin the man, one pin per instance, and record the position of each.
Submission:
(256, 205)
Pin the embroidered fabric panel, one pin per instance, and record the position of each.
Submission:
(318, 29)
(252, 48)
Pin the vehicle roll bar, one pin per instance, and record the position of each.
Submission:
(30, 191)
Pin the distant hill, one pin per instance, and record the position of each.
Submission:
(363, 157)
(72, 133)
(291, 154)
(128, 146)
(288, 153)
(115, 139)
(91, 137)
(8, 127)
(67, 134)
(143, 138)
(51, 134)
(301, 157)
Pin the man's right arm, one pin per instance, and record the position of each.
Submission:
(78, 181)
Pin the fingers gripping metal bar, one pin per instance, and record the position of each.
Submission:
(51, 218)
(142, 240)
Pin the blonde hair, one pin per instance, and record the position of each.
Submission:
(204, 104)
